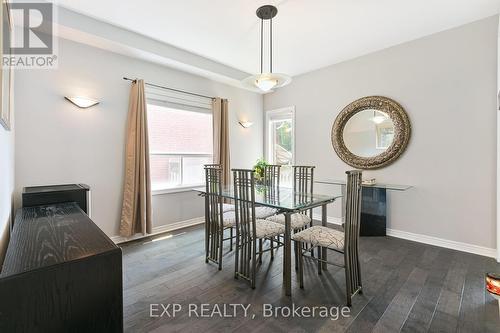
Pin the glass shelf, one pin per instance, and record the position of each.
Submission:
(393, 187)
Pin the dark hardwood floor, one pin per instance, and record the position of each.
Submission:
(408, 287)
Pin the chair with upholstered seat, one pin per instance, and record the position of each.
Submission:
(344, 242)
(271, 180)
(217, 220)
(303, 180)
(271, 175)
(249, 228)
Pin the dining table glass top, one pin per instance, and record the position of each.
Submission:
(282, 198)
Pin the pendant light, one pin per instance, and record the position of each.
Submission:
(267, 81)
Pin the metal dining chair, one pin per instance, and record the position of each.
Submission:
(216, 219)
(271, 181)
(344, 242)
(303, 180)
(271, 175)
(249, 228)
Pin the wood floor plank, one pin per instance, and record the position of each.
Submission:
(421, 314)
(396, 313)
(446, 315)
(473, 298)
(399, 268)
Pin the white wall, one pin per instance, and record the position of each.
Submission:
(58, 143)
(447, 84)
(6, 184)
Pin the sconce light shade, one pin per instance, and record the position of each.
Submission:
(82, 102)
(245, 124)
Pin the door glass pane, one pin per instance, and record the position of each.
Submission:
(193, 172)
(165, 171)
(282, 141)
(281, 147)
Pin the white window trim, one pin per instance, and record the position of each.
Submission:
(269, 115)
(178, 100)
(178, 189)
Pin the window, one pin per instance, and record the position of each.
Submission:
(180, 143)
(280, 141)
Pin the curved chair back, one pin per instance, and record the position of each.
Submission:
(351, 230)
(244, 202)
(213, 212)
(303, 181)
(303, 178)
(272, 175)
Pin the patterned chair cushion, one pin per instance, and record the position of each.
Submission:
(227, 207)
(297, 220)
(229, 219)
(260, 212)
(266, 229)
(264, 212)
(321, 236)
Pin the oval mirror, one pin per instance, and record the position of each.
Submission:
(371, 132)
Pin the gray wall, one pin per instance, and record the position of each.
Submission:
(447, 84)
(6, 185)
(58, 143)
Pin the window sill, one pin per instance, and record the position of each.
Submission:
(176, 189)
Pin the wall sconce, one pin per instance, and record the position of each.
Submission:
(245, 124)
(82, 102)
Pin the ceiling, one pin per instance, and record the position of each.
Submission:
(307, 34)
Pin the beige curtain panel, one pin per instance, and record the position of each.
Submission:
(136, 208)
(221, 137)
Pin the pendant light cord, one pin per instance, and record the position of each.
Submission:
(271, 46)
(261, 44)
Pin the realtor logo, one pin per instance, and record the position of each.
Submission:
(28, 35)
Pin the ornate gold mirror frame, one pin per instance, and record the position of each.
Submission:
(402, 132)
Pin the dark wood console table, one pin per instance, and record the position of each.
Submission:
(61, 274)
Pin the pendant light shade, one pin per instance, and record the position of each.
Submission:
(267, 81)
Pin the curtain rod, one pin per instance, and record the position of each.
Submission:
(172, 89)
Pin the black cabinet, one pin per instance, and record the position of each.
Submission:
(61, 274)
(53, 194)
(373, 211)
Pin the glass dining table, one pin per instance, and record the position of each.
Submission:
(287, 202)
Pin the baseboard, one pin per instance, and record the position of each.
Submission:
(329, 219)
(449, 244)
(161, 229)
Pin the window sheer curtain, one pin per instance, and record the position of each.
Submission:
(136, 207)
(221, 137)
